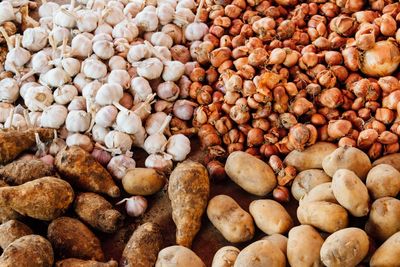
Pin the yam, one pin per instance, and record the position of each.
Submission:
(7, 213)
(22, 171)
(85, 263)
(11, 231)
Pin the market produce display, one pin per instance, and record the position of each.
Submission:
(222, 133)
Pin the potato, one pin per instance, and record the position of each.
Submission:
(270, 216)
(307, 180)
(278, 240)
(188, 190)
(261, 253)
(234, 223)
(85, 263)
(225, 257)
(388, 254)
(81, 170)
(7, 213)
(303, 246)
(383, 180)
(349, 158)
(326, 216)
(322, 192)
(43, 199)
(384, 218)
(28, 251)
(22, 171)
(311, 157)
(72, 239)
(143, 181)
(143, 246)
(345, 248)
(392, 160)
(250, 173)
(350, 192)
(96, 211)
(11, 231)
(178, 256)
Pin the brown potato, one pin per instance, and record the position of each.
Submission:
(278, 240)
(28, 251)
(388, 254)
(328, 217)
(22, 171)
(384, 218)
(143, 181)
(349, 158)
(345, 248)
(81, 170)
(188, 189)
(234, 223)
(85, 263)
(178, 256)
(143, 246)
(350, 192)
(392, 159)
(270, 216)
(98, 212)
(261, 253)
(311, 157)
(11, 231)
(72, 239)
(7, 213)
(303, 246)
(322, 192)
(250, 173)
(225, 257)
(43, 199)
(307, 180)
(383, 180)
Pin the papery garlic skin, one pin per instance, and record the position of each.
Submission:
(141, 88)
(126, 30)
(120, 165)
(114, 15)
(154, 122)
(35, 118)
(55, 77)
(117, 140)
(18, 122)
(34, 39)
(195, 31)
(53, 116)
(80, 81)
(138, 52)
(178, 147)
(147, 21)
(56, 146)
(128, 122)
(155, 143)
(71, 66)
(37, 98)
(80, 140)
(63, 19)
(81, 46)
(103, 49)
(99, 133)
(120, 77)
(173, 71)
(106, 116)
(87, 21)
(161, 39)
(58, 34)
(47, 9)
(150, 68)
(90, 90)
(94, 68)
(7, 12)
(77, 103)
(109, 93)
(135, 206)
(139, 137)
(9, 90)
(117, 63)
(64, 94)
(77, 121)
(162, 163)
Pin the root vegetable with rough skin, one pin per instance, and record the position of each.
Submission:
(98, 212)
(22, 171)
(11, 231)
(80, 169)
(72, 239)
(43, 199)
(85, 263)
(188, 189)
(7, 213)
(143, 246)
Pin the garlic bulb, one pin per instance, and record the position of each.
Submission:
(160, 162)
(9, 90)
(147, 21)
(168, 91)
(86, 20)
(102, 37)
(99, 133)
(150, 68)
(155, 143)
(117, 63)
(154, 122)
(6, 12)
(195, 31)
(46, 23)
(120, 165)
(81, 46)
(109, 93)
(103, 49)
(56, 146)
(143, 109)
(16, 121)
(53, 116)
(17, 57)
(77, 103)
(165, 13)
(133, 8)
(47, 9)
(80, 140)
(135, 206)
(94, 68)
(125, 29)
(118, 141)
(183, 109)
(55, 77)
(138, 52)
(120, 77)
(64, 17)
(77, 121)
(127, 121)
(40, 64)
(183, 16)
(101, 156)
(139, 137)
(103, 28)
(35, 118)
(106, 116)
(178, 147)
(162, 39)
(38, 98)
(190, 4)
(80, 81)
(173, 71)
(90, 90)
(113, 15)
(58, 34)
(5, 109)
(64, 94)
(34, 39)
(141, 88)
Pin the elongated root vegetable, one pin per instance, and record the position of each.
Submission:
(43, 199)
(80, 169)
(98, 212)
(7, 213)
(22, 171)
(30, 250)
(72, 239)
(188, 190)
(13, 142)
(143, 246)
(11, 231)
(85, 263)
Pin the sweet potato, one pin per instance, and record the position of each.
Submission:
(143, 246)
(14, 142)
(43, 199)
(22, 171)
(143, 181)
(80, 169)
(7, 213)
(188, 190)
(72, 239)
(28, 251)
(85, 263)
(98, 212)
(11, 231)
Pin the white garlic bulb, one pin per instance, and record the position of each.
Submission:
(90, 90)
(40, 64)
(6, 12)
(77, 121)
(162, 39)
(133, 8)
(103, 49)
(190, 4)
(58, 34)
(120, 165)
(147, 21)
(120, 77)
(172, 3)
(46, 23)
(106, 116)
(27, 86)
(80, 81)
(47, 9)
(139, 137)
(99, 133)
(102, 37)
(80, 140)
(35, 118)
(103, 28)
(135, 206)
(64, 17)
(163, 52)
(141, 88)
(53, 116)
(117, 63)
(55, 77)
(71, 66)
(118, 141)
(38, 98)
(109, 93)
(5, 109)
(173, 70)
(150, 68)
(87, 20)
(18, 122)
(168, 91)
(138, 52)
(165, 13)
(160, 162)
(127, 121)
(125, 29)
(81, 46)
(114, 15)
(77, 103)
(94, 68)
(154, 122)
(17, 57)
(155, 143)
(178, 147)
(34, 39)
(64, 94)
(183, 16)
(9, 90)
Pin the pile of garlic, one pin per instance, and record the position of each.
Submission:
(105, 74)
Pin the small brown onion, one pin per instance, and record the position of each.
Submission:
(281, 194)
(387, 138)
(367, 138)
(255, 137)
(346, 142)
(183, 109)
(339, 128)
(216, 170)
(384, 115)
(298, 136)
